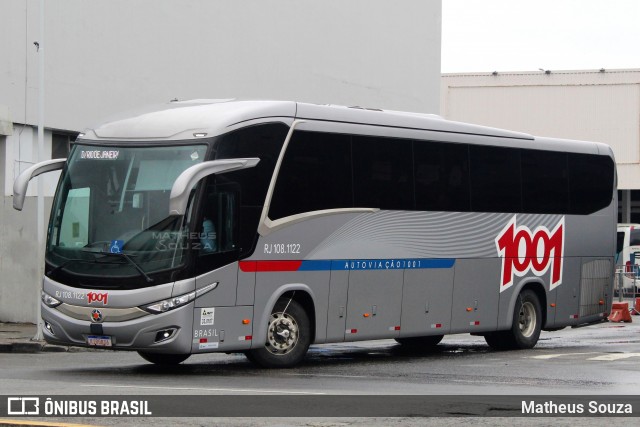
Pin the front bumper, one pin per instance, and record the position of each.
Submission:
(136, 334)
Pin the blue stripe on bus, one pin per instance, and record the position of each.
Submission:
(376, 264)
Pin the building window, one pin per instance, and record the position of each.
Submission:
(60, 143)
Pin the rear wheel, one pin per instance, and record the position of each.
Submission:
(498, 340)
(525, 328)
(163, 359)
(288, 337)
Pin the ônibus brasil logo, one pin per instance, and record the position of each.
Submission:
(523, 250)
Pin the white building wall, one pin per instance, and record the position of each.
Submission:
(105, 57)
(587, 105)
(20, 152)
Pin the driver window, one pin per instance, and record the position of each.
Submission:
(219, 223)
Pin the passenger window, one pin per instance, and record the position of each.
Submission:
(495, 179)
(590, 183)
(441, 176)
(261, 141)
(545, 182)
(382, 173)
(315, 175)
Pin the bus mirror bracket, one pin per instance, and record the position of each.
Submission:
(21, 183)
(182, 186)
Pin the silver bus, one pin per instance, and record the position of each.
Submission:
(263, 227)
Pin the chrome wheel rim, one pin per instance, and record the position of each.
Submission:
(527, 319)
(282, 335)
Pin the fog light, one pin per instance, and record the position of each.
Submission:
(165, 334)
(48, 327)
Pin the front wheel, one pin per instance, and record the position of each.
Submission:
(163, 359)
(288, 337)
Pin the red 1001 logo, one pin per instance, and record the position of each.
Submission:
(96, 297)
(523, 250)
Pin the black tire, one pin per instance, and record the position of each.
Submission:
(164, 359)
(421, 342)
(288, 337)
(525, 328)
(498, 340)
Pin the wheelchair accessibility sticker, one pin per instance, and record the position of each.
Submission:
(116, 246)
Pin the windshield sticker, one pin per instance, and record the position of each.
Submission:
(100, 154)
(115, 247)
(195, 156)
(207, 345)
(206, 316)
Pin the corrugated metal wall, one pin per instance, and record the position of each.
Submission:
(592, 106)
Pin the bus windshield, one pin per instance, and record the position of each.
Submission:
(111, 211)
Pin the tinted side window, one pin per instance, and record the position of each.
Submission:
(441, 176)
(590, 183)
(382, 173)
(634, 237)
(217, 241)
(545, 182)
(262, 141)
(495, 179)
(315, 174)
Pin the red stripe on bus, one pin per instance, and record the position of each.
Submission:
(248, 266)
(266, 266)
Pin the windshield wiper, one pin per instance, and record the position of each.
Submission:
(67, 262)
(128, 259)
(95, 261)
(71, 261)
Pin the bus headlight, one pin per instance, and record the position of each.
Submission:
(49, 300)
(175, 302)
(169, 304)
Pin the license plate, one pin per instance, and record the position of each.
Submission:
(99, 340)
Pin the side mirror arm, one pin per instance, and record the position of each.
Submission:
(21, 183)
(179, 197)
